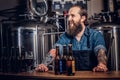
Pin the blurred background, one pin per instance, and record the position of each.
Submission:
(29, 29)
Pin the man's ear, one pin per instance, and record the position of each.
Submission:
(83, 18)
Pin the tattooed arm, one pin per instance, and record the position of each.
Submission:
(102, 61)
(102, 57)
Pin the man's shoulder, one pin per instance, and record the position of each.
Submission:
(93, 31)
(65, 37)
(63, 34)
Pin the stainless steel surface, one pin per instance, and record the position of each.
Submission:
(116, 46)
(109, 31)
(53, 40)
(34, 40)
(35, 9)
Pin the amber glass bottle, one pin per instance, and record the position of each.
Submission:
(70, 65)
(56, 67)
(58, 62)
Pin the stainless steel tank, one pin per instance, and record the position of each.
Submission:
(112, 39)
(31, 39)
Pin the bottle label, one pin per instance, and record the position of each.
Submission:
(60, 65)
(73, 66)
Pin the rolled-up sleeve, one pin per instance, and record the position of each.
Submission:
(99, 42)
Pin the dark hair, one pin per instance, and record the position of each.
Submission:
(82, 12)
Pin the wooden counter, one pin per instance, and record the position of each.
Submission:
(80, 75)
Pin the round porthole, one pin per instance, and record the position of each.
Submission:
(38, 7)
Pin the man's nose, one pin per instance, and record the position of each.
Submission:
(69, 18)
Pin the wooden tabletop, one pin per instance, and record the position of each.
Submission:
(84, 75)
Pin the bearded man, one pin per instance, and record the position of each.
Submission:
(88, 45)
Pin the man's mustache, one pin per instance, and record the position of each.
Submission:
(71, 21)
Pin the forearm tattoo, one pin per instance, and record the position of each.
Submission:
(47, 60)
(102, 57)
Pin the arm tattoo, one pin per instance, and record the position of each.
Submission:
(102, 57)
(47, 60)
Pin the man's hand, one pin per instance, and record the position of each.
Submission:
(100, 68)
(46, 61)
(41, 67)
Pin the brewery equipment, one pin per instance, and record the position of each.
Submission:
(38, 7)
(29, 37)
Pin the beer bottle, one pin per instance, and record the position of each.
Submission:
(64, 58)
(58, 62)
(70, 62)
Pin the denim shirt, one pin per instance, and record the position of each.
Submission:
(96, 41)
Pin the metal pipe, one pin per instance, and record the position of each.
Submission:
(52, 33)
(1, 38)
(36, 46)
(19, 41)
(115, 48)
(44, 40)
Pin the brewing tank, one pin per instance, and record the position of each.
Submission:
(30, 39)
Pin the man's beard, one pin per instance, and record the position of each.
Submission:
(76, 28)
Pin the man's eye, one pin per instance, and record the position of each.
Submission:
(70, 16)
(73, 15)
